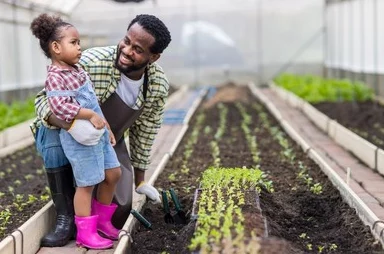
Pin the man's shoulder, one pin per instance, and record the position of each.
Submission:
(157, 77)
(97, 54)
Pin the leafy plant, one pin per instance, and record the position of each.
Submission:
(16, 112)
(315, 89)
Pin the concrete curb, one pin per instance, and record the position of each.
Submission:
(363, 211)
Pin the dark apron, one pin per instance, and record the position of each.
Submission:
(120, 117)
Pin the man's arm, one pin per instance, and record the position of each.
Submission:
(53, 120)
(142, 135)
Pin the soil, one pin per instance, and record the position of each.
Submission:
(298, 220)
(364, 118)
(21, 174)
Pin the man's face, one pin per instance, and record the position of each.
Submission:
(134, 51)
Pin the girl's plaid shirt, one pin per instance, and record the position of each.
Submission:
(99, 63)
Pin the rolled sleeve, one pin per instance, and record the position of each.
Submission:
(64, 107)
(43, 112)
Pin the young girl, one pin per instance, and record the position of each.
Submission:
(71, 98)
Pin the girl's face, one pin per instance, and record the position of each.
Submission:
(68, 50)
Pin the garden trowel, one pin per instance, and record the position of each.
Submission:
(141, 218)
(167, 217)
(180, 217)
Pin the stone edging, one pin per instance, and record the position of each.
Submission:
(363, 211)
(15, 138)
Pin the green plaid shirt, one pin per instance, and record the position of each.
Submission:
(99, 63)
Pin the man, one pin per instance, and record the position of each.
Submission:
(132, 90)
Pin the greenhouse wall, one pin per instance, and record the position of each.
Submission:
(23, 64)
(354, 41)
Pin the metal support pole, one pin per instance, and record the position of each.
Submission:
(260, 41)
(196, 40)
(362, 41)
(351, 49)
(342, 55)
(325, 40)
(375, 47)
(16, 49)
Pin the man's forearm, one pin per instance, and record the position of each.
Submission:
(53, 120)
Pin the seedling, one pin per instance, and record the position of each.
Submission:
(172, 177)
(333, 247)
(29, 177)
(317, 188)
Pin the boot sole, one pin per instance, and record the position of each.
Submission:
(94, 248)
(55, 244)
(104, 235)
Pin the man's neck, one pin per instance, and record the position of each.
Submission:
(135, 75)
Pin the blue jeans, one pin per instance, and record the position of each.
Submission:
(49, 146)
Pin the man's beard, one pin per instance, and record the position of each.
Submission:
(128, 69)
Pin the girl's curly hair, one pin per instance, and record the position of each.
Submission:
(47, 29)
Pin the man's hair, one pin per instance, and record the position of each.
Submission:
(156, 28)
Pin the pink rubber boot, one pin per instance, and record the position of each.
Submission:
(104, 225)
(87, 235)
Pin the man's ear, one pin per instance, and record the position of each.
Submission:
(55, 46)
(154, 58)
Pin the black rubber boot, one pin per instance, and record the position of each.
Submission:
(60, 181)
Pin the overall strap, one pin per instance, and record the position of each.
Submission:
(61, 93)
(145, 88)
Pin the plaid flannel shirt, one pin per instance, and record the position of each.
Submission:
(99, 63)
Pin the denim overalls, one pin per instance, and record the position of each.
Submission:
(88, 162)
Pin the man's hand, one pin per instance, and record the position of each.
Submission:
(149, 191)
(85, 133)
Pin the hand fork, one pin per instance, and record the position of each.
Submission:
(167, 217)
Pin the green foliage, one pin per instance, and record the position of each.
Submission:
(16, 112)
(316, 89)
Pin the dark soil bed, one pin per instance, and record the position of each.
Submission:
(305, 221)
(22, 189)
(364, 118)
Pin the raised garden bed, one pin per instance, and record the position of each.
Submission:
(350, 104)
(305, 209)
(23, 189)
(366, 119)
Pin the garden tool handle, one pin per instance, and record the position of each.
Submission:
(175, 199)
(165, 201)
(140, 218)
